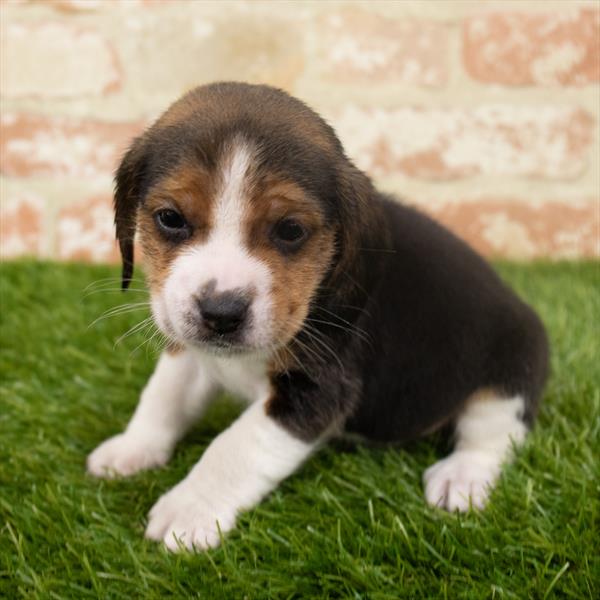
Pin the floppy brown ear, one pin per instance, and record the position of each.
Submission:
(129, 182)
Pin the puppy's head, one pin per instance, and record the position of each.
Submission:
(245, 207)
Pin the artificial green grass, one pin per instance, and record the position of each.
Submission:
(351, 524)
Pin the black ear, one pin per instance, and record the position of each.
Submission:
(361, 239)
(129, 188)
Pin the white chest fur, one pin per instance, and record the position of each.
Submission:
(243, 376)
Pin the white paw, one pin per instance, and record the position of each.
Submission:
(126, 454)
(461, 480)
(185, 518)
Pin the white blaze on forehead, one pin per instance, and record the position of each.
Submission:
(230, 203)
(232, 266)
(224, 257)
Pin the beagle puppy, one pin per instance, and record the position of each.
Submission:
(279, 273)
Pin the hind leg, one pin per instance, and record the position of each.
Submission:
(485, 432)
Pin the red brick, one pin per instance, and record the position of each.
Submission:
(357, 46)
(21, 219)
(544, 49)
(56, 60)
(515, 229)
(541, 141)
(50, 146)
(86, 231)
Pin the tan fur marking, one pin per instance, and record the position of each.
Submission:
(296, 276)
(189, 190)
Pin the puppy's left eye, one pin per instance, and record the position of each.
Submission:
(288, 234)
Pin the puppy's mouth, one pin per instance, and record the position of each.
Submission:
(220, 346)
(230, 340)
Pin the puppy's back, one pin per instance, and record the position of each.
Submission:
(443, 326)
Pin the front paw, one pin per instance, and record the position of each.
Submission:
(186, 518)
(462, 480)
(126, 454)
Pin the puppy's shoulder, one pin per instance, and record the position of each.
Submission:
(430, 253)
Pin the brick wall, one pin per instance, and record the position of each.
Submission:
(483, 113)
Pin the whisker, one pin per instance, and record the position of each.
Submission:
(311, 352)
(114, 290)
(273, 351)
(109, 281)
(314, 335)
(329, 312)
(147, 330)
(359, 333)
(149, 338)
(297, 360)
(352, 327)
(147, 322)
(160, 340)
(119, 310)
(359, 309)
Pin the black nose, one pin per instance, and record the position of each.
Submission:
(224, 313)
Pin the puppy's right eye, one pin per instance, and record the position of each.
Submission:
(172, 224)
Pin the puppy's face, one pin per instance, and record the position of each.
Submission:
(235, 216)
(234, 255)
